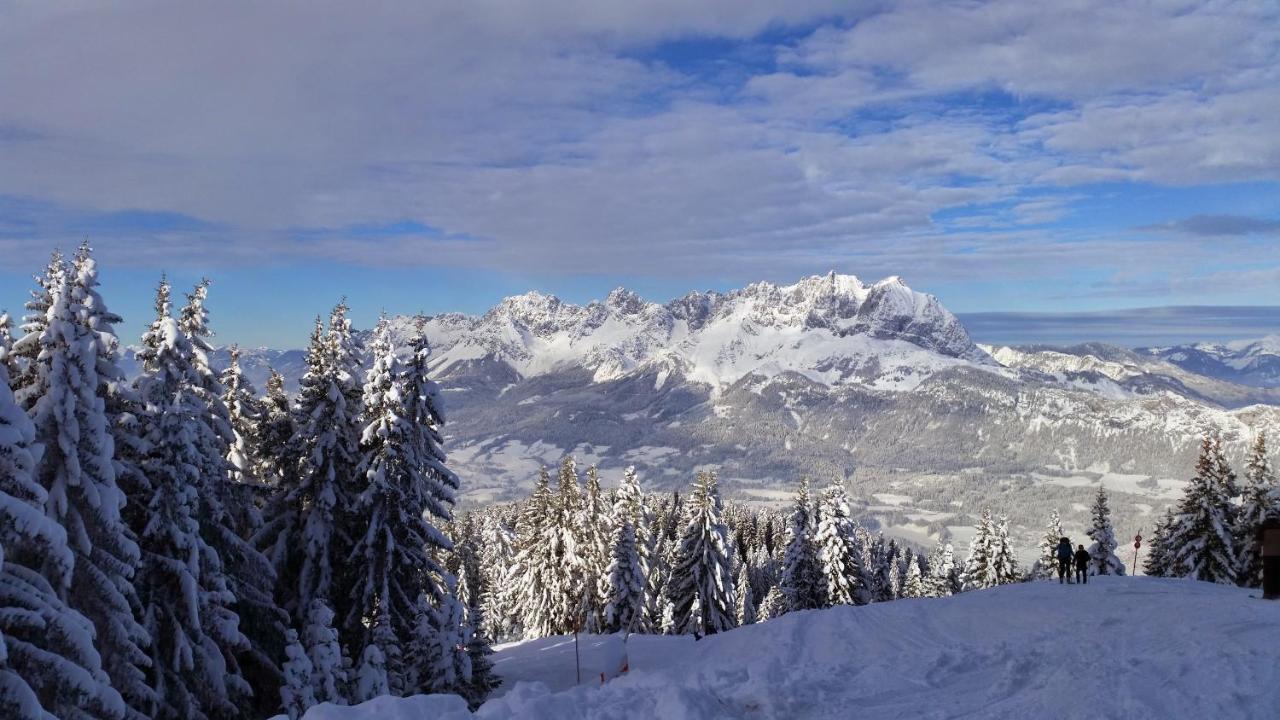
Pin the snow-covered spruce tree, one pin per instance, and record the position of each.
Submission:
(1003, 565)
(6, 344)
(535, 579)
(774, 605)
(48, 663)
(229, 514)
(567, 535)
(596, 529)
(301, 532)
(880, 581)
(977, 566)
(371, 679)
(746, 610)
(1046, 566)
(275, 434)
(1260, 500)
(328, 664)
(913, 586)
(478, 647)
(801, 574)
(495, 558)
(296, 694)
(245, 411)
(1199, 544)
(26, 348)
(625, 600)
(944, 576)
(701, 586)
(78, 471)
(838, 551)
(1103, 558)
(906, 558)
(629, 504)
(185, 595)
(1156, 563)
(407, 491)
(437, 644)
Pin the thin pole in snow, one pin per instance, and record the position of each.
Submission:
(577, 659)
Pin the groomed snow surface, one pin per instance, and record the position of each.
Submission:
(1115, 648)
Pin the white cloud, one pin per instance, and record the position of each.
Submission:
(533, 136)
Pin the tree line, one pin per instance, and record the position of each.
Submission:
(175, 546)
(574, 557)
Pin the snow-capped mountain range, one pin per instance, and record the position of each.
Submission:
(1248, 362)
(831, 378)
(832, 329)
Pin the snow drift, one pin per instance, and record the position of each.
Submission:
(1115, 648)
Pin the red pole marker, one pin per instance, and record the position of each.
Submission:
(1137, 543)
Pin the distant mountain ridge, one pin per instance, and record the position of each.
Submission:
(1247, 362)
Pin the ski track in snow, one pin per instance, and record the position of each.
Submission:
(1130, 648)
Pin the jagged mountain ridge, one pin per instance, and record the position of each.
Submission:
(833, 329)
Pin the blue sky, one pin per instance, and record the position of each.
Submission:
(1005, 156)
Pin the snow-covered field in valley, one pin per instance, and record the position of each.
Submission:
(1130, 648)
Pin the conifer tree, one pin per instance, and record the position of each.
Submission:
(1046, 565)
(701, 586)
(629, 504)
(275, 434)
(22, 357)
(48, 664)
(1199, 543)
(295, 694)
(624, 609)
(564, 538)
(478, 646)
(944, 579)
(536, 579)
(78, 470)
(1157, 562)
(880, 583)
(746, 611)
(228, 507)
(774, 605)
(246, 414)
(596, 529)
(913, 586)
(801, 582)
(496, 551)
(371, 676)
(328, 664)
(6, 344)
(302, 534)
(1103, 558)
(438, 643)
(1260, 501)
(977, 566)
(185, 595)
(838, 551)
(1003, 565)
(407, 489)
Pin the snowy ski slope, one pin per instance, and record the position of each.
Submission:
(1131, 648)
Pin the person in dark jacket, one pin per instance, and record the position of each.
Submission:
(1082, 564)
(1064, 560)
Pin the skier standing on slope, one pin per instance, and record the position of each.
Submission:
(1064, 560)
(1082, 564)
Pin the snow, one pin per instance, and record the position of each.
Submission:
(988, 654)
